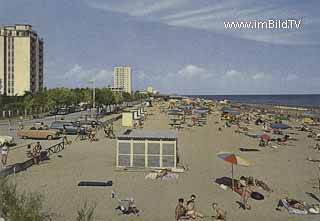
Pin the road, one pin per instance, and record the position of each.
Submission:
(6, 130)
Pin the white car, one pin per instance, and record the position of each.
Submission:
(6, 139)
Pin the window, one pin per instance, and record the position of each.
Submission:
(168, 155)
(124, 154)
(138, 155)
(153, 154)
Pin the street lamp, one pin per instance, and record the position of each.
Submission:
(93, 94)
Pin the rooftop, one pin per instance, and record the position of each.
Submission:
(148, 134)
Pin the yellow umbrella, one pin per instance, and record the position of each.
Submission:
(307, 120)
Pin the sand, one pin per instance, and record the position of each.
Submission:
(284, 169)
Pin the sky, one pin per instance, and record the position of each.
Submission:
(177, 46)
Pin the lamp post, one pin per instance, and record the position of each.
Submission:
(93, 95)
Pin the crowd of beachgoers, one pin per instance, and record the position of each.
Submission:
(235, 162)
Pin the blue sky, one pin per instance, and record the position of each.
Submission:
(178, 46)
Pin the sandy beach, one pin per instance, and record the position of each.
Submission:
(284, 169)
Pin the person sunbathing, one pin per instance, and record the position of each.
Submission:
(292, 203)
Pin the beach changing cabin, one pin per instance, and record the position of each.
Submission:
(147, 149)
(130, 117)
(176, 118)
(127, 119)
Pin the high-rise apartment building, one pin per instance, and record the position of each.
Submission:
(21, 60)
(122, 78)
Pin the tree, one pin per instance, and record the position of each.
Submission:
(104, 96)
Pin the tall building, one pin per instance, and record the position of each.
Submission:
(21, 60)
(150, 89)
(122, 78)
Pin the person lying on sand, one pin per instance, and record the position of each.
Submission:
(292, 203)
(219, 214)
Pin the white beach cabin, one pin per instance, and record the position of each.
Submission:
(147, 149)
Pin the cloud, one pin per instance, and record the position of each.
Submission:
(135, 8)
(259, 76)
(291, 77)
(192, 71)
(211, 17)
(79, 76)
(232, 73)
(74, 70)
(142, 76)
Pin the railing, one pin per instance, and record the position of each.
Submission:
(44, 155)
(55, 149)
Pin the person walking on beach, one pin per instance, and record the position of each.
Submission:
(245, 194)
(4, 154)
(180, 209)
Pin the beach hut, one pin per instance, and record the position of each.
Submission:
(147, 149)
(201, 115)
(176, 117)
(127, 119)
(130, 117)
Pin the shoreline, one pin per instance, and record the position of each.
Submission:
(280, 104)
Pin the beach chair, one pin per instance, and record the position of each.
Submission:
(126, 206)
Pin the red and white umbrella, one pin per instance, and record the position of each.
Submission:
(233, 159)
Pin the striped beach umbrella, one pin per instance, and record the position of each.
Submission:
(234, 160)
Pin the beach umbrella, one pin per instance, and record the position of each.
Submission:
(234, 160)
(279, 126)
(307, 120)
(265, 137)
(201, 111)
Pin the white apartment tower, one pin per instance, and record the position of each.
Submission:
(21, 60)
(122, 78)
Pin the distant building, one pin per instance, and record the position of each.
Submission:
(143, 92)
(150, 89)
(122, 78)
(116, 89)
(21, 60)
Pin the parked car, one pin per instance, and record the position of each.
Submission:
(39, 132)
(54, 111)
(71, 127)
(62, 111)
(87, 123)
(6, 139)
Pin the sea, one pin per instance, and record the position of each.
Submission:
(294, 100)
